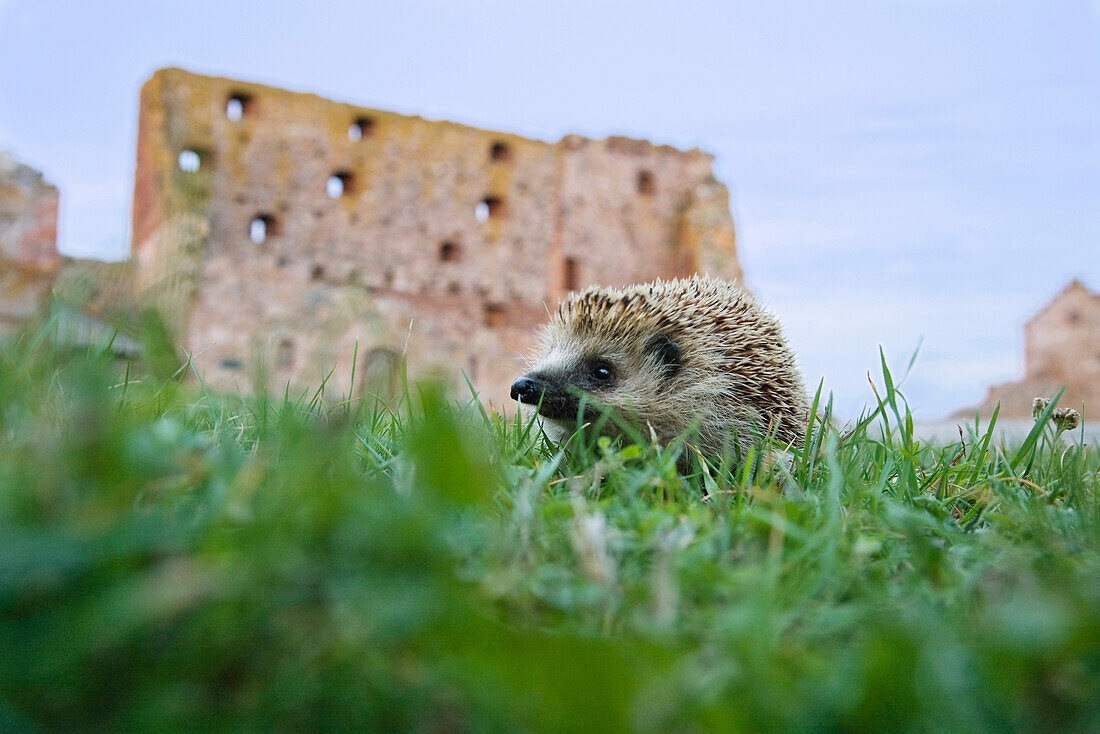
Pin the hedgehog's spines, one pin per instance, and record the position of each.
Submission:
(733, 366)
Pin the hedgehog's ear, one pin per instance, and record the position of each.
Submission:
(666, 351)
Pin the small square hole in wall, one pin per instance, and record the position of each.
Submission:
(500, 152)
(493, 315)
(284, 355)
(361, 127)
(647, 186)
(491, 207)
(189, 161)
(262, 227)
(239, 105)
(569, 273)
(448, 252)
(341, 183)
(380, 372)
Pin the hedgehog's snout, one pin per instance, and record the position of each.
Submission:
(527, 390)
(535, 387)
(554, 400)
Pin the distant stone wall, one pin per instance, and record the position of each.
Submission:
(101, 290)
(28, 241)
(276, 230)
(1061, 348)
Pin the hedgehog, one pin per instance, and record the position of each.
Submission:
(666, 357)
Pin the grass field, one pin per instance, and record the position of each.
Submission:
(172, 560)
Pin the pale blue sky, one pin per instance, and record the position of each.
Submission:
(899, 168)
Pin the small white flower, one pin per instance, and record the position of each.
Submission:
(1038, 405)
(590, 543)
(1066, 419)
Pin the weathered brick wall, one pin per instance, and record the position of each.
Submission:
(28, 241)
(448, 243)
(1061, 348)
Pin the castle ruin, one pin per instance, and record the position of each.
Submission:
(1061, 348)
(279, 232)
(28, 242)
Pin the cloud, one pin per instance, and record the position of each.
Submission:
(94, 218)
(784, 235)
(934, 3)
(9, 18)
(837, 336)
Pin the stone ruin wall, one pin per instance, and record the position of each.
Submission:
(1061, 348)
(28, 242)
(448, 244)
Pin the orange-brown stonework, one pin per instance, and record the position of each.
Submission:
(1062, 348)
(277, 230)
(28, 242)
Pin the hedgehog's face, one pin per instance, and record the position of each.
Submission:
(623, 374)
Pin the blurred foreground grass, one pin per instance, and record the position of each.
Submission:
(172, 559)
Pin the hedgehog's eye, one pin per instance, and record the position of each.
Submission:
(602, 372)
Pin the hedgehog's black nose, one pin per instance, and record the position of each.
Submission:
(526, 390)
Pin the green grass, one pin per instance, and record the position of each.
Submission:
(172, 559)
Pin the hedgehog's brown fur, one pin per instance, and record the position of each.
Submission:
(681, 352)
